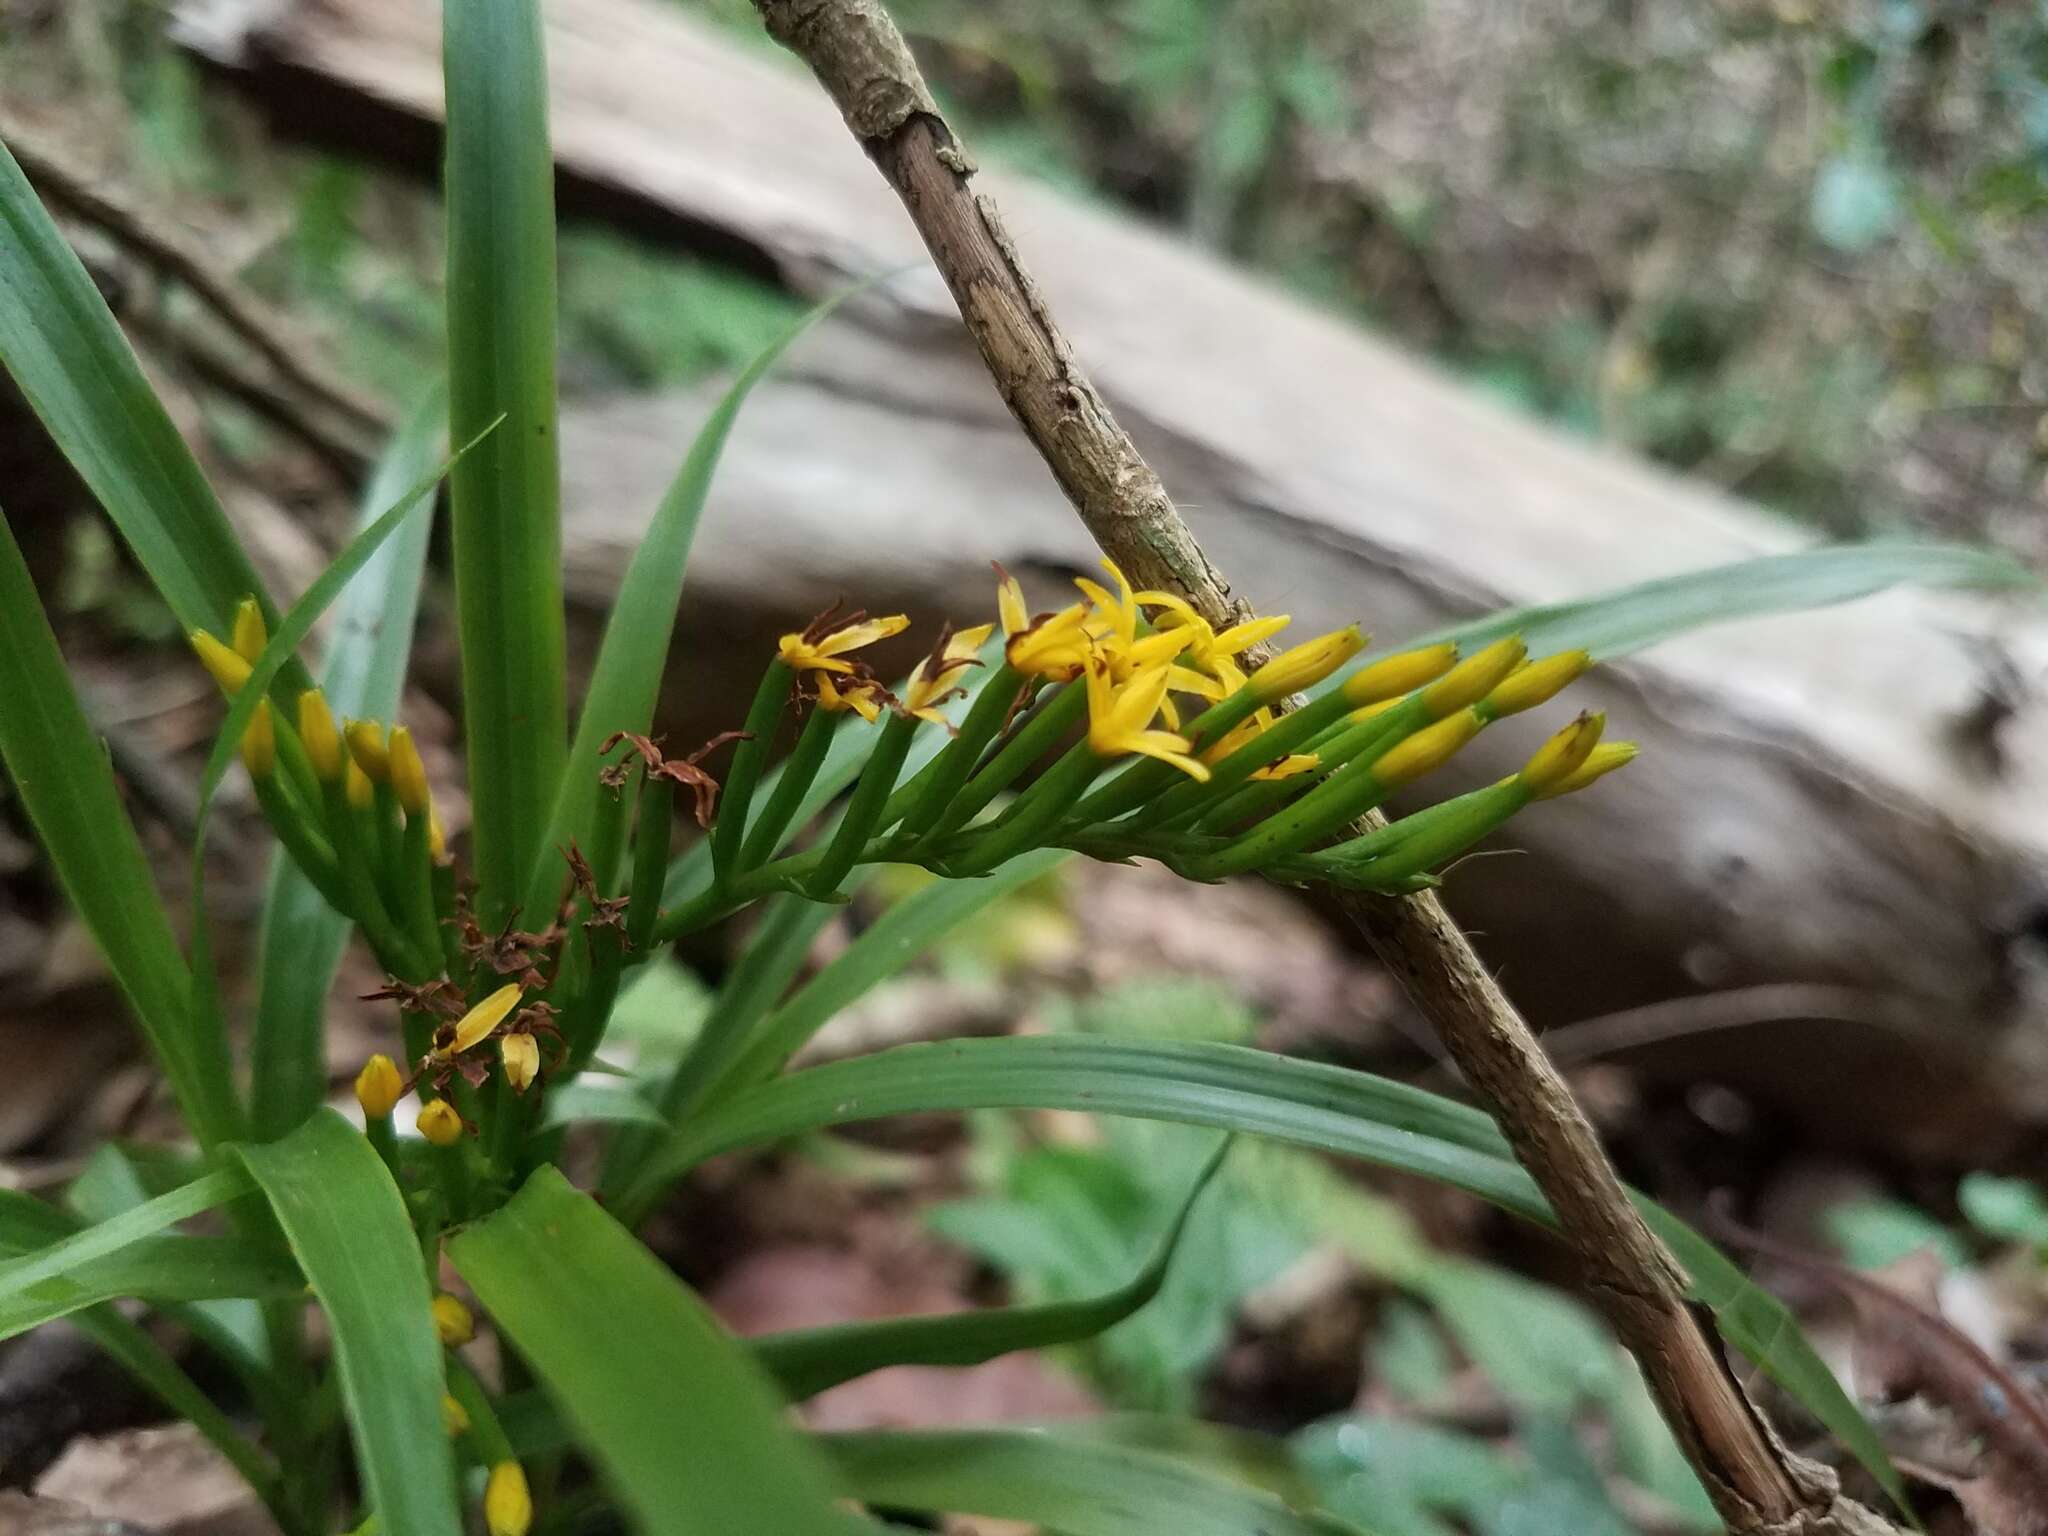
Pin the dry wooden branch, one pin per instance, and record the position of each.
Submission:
(857, 54)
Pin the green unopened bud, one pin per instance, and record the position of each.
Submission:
(1393, 676)
(1427, 749)
(1474, 678)
(1306, 664)
(1603, 760)
(1563, 755)
(251, 634)
(1537, 683)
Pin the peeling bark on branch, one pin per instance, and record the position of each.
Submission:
(1758, 1487)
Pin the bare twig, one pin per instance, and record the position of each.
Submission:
(854, 49)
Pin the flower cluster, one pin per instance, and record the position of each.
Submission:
(1155, 734)
(1123, 725)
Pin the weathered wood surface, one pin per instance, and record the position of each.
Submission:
(1803, 810)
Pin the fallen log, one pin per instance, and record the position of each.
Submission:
(1848, 797)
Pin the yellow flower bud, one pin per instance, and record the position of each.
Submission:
(1395, 675)
(1537, 683)
(454, 1416)
(408, 773)
(522, 1060)
(1429, 748)
(251, 634)
(476, 1025)
(259, 743)
(228, 668)
(366, 746)
(356, 785)
(453, 1324)
(1306, 664)
(316, 730)
(1564, 754)
(440, 1124)
(437, 840)
(379, 1087)
(1474, 678)
(1603, 760)
(508, 1507)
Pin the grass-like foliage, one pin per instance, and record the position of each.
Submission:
(1119, 726)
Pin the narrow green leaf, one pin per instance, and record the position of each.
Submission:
(627, 676)
(61, 773)
(148, 1268)
(1232, 1088)
(78, 373)
(893, 941)
(1073, 1483)
(81, 1251)
(499, 188)
(348, 1229)
(808, 1362)
(1633, 618)
(582, 1100)
(686, 1427)
(363, 676)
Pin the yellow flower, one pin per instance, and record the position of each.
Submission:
(440, 1124)
(228, 667)
(1207, 644)
(316, 730)
(1474, 678)
(860, 695)
(508, 1507)
(1428, 748)
(1053, 645)
(822, 646)
(437, 840)
(1564, 754)
(454, 1417)
(251, 634)
(475, 1026)
(1537, 682)
(1115, 618)
(1603, 760)
(930, 684)
(1120, 720)
(1289, 766)
(1403, 672)
(379, 1087)
(366, 746)
(259, 743)
(453, 1323)
(408, 773)
(522, 1060)
(1308, 663)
